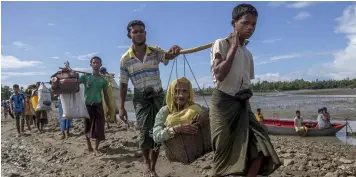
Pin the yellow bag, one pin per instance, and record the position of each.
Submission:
(111, 109)
(34, 100)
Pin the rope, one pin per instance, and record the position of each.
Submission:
(185, 59)
(184, 68)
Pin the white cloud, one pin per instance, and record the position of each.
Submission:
(21, 45)
(123, 46)
(11, 62)
(265, 62)
(4, 78)
(276, 3)
(56, 58)
(269, 41)
(273, 77)
(16, 74)
(83, 56)
(298, 55)
(51, 24)
(300, 4)
(140, 9)
(302, 15)
(344, 61)
(283, 57)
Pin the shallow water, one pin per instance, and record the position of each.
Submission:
(308, 104)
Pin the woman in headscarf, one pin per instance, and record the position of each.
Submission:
(179, 114)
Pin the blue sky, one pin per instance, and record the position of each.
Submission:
(307, 40)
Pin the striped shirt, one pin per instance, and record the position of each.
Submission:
(142, 74)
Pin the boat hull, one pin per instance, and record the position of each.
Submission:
(286, 127)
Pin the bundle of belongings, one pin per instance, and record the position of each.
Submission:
(71, 93)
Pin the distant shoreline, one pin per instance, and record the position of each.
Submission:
(336, 91)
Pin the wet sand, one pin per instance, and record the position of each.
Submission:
(46, 154)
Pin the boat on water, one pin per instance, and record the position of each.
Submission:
(286, 127)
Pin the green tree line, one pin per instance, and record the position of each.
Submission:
(298, 84)
(263, 86)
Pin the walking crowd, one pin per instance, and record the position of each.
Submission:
(240, 144)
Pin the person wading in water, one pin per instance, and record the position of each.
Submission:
(140, 64)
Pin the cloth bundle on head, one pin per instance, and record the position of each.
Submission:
(190, 108)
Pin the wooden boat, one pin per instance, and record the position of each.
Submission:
(286, 127)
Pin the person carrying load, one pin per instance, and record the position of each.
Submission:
(94, 84)
(41, 115)
(241, 145)
(29, 111)
(140, 64)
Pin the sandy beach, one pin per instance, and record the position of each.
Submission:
(47, 155)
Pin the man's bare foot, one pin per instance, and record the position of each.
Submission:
(154, 174)
(90, 149)
(147, 173)
(98, 153)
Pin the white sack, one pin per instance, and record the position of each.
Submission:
(44, 98)
(73, 104)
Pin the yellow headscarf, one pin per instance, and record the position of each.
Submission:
(190, 109)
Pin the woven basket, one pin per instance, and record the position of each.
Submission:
(186, 148)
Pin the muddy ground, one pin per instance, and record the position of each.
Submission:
(46, 154)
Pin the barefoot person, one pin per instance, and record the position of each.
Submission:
(5, 108)
(63, 123)
(41, 116)
(240, 144)
(94, 83)
(140, 64)
(29, 112)
(17, 107)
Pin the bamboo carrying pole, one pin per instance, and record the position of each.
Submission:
(83, 72)
(187, 51)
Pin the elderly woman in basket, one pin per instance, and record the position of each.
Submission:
(180, 114)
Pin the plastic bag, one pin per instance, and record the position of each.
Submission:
(73, 104)
(44, 99)
(115, 95)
